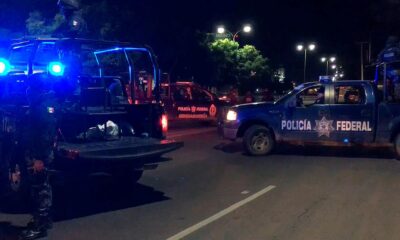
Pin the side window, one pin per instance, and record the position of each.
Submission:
(345, 94)
(46, 52)
(311, 96)
(182, 93)
(201, 95)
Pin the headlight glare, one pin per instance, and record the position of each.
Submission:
(231, 115)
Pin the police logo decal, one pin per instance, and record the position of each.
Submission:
(324, 127)
(213, 110)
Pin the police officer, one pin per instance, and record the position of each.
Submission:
(38, 138)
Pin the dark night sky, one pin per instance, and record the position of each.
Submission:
(170, 26)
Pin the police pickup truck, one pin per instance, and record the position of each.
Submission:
(109, 119)
(324, 113)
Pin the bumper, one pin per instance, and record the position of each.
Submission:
(127, 149)
(229, 133)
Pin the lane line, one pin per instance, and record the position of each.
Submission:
(220, 214)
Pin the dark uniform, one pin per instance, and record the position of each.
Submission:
(38, 138)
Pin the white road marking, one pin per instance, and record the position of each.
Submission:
(220, 214)
(245, 192)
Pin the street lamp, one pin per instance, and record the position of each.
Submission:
(301, 47)
(246, 28)
(334, 67)
(330, 60)
(221, 30)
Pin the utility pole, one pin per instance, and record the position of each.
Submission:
(362, 57)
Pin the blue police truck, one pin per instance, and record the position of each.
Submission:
(325, 113)
(109, 114)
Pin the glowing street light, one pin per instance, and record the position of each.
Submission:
(300, 47)
(221, 30)
(246, 28)
(328, 60)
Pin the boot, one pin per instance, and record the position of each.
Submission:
(47, 223)
(37, 227)
(33, 232)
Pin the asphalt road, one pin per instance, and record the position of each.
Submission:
(211, 190)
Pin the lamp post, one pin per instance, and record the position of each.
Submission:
(301, 47)
(246, 28)
(328, 60)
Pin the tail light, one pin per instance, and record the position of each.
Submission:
(164, 123)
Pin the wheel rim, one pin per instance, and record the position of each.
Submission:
(260, 142)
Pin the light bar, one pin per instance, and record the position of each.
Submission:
(4, 67)
(56, 69)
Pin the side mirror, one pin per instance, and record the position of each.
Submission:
(299, 102)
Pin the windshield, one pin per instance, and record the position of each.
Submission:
(292, 93)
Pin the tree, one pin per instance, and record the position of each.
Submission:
(244, 67)
(36, 24)
(252, 68)
(223, 53)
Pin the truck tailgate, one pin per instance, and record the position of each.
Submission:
(126, 148)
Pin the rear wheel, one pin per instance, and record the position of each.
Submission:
(258, 140)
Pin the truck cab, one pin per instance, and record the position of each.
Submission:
(189, 101)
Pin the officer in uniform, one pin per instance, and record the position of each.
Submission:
(37, 140)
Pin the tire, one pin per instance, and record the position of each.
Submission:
(258, 140)
(396, 146)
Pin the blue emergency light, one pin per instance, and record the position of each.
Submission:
(325, 79)
(56, 69)
(4, 67)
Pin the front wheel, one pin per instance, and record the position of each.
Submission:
(258, 140)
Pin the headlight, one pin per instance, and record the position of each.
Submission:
(231, 116)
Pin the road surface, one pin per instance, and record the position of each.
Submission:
(211, 190)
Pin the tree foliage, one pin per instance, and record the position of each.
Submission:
(241, 66)
(36, 24)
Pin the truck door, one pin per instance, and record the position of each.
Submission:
(353, 115)
(300, 122)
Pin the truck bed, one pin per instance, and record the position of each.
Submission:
(126, 148)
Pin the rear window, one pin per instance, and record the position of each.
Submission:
(45, 53)
(348, 94)
(21, 54)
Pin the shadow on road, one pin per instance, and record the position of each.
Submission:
(95, 195)
(9, 232)
(231, 147)
(325, 151)
(100, 195)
